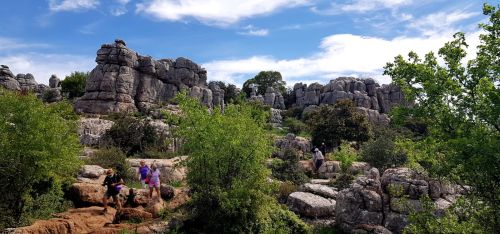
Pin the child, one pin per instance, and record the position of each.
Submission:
(131, 202)
(143, 172)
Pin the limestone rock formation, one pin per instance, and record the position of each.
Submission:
(318, 189)
(54, 82)
(290, 141)
(311, 205)
(26, 82)
(91, 130)
(372, 99)
(7, 79)
(374, 201)
(124, 81)
(274, 99)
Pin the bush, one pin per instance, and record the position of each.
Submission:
(382, 152)
(346, 155)
(133, 135)
(332, 124)
(226, 171)
(284, 190)
(295, 126)
(293, 112)
(74, 84)
(288, 169)
(112, 157)
(38, 146)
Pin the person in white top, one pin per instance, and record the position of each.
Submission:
(318, 158)
(154, 180)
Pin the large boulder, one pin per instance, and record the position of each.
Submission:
(311, 205)
(318, 189)
(7, 79)
(91, 171)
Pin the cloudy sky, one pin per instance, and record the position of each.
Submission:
(306, 40)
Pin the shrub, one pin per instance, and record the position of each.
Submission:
(382, 152)
(284, 190)
(288, 169)
(74, 84)
(293, 112)
(332, 124)
(295, 126)
(226, 170)
(112, 157)
(38, 145)
(346, 155)
(133, 135)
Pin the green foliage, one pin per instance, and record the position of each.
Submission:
(454, 220)
(289, 97)
(460, 104)
(264, 80)
(231, 92)
(74, 84)
(382, 152)
(133, 135)
(49, 95)
(226, 170)
(346, 155)
(295, 126)
(112, 157)
(332, 124)
(38, 145)
(343, 181)
(285, 189)
(293, 112)
(288, 169)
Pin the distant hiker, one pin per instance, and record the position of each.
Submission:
(322, 148)
(143, 172)
(154, 180)
(131, 201)
(114, 184)
(317, 158)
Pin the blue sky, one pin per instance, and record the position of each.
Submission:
(306, 40)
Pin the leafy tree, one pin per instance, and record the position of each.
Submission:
(74, 84)
(382, 152)
(287, 168)
(264, 80)
(227, 172)
(231, 92)
(39, 153)
(461, 106)
(331, 124)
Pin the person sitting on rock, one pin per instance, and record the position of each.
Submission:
(318, 158)
(143, 172)
(131, 201)
(154, 180)
(114, 183)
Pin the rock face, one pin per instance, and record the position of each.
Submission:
(91, 130)
(274, 99)
(124, 81)
(311, 205)
(371, 98)
(385, 202)
(300, 144)
(26, 82)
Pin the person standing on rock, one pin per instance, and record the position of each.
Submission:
(323, 148)
(154, 180)
(318, 158)
(114, 183)
(143, 172)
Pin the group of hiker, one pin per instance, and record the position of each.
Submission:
(149, 177)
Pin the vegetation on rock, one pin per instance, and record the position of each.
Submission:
(264, 80)
(74, 84)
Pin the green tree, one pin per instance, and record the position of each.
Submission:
(39, 153)
(74, 84)
(461, 106)
(227, 171)
(264, 80)
(333, 123)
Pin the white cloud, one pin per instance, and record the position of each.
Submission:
(251, 30)
(339, 55)
(9, 44)
(72, 5)
(42, 66)
(120, 8)
(440, 21)
(362, 6)
(219, 12)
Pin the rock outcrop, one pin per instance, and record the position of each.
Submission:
(371, 99)
(124, 81)
(385, 202)
(26, 82)
(91, 131)
(311, 205)
(290, 141)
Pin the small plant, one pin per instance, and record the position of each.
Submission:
(287, 169)
(346, 155)
(112, 157)
(176, 183)
(285, 189)
(295, 126)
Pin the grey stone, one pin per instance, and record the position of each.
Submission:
(310, 205)
(91, 130)
(318, 189)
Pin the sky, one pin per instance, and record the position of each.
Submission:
(306, 40)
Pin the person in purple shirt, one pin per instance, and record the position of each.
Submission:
(143, 172)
